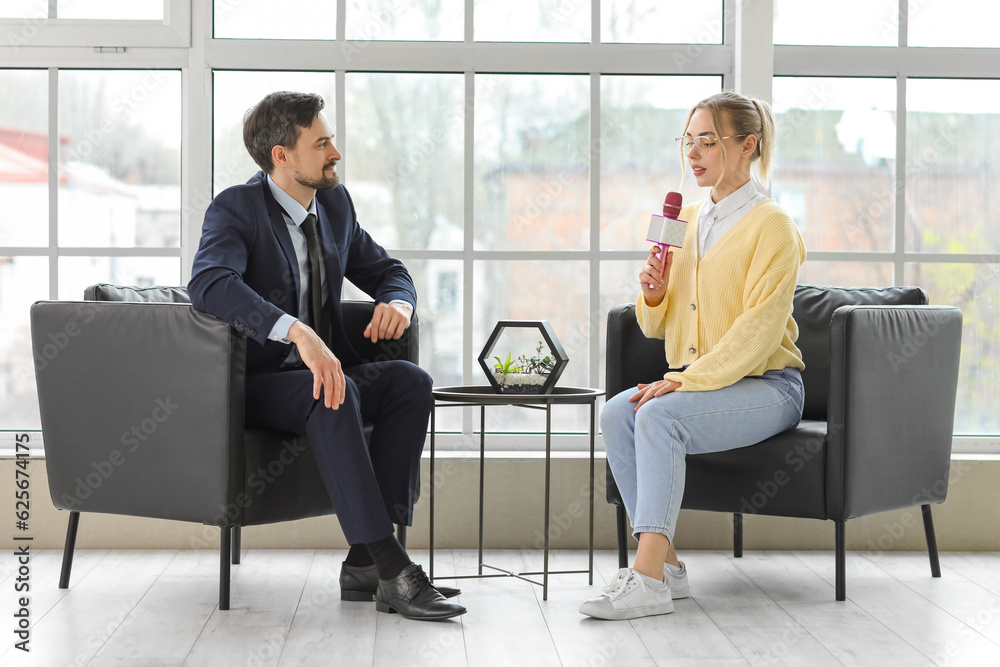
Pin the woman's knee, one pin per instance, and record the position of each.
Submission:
(618, 412)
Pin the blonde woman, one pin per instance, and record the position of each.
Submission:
(723, 306)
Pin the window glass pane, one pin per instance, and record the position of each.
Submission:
(532, 162)
(403, 157)
(835, 160)
(234, 94)
(24, 9)
(24, 158)
(661, 21)
(150, 10)
(440, 20)
(541, 21)
(78, 273)
(846, 274)
(975, 288)
(262, 19)
(952, 166)
(850, 23)
(23, 280)
(119, 158)
(535, 290)
(959, 23)
(640, 163)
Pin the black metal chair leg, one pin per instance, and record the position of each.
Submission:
(932, 550)
(67, 562)
(225, 552)
(841, 561)
(622, 517)
(737, 535)
(401, 535)
(237, 544)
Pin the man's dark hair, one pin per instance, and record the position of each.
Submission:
(277, 120)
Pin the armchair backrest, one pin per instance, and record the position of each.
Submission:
(632, 358)
(127, 429)
(813, 307)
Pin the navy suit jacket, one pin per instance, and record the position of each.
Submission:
(245, 271)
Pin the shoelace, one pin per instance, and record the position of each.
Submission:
(418, 577)
(624, 587)
(616, 580)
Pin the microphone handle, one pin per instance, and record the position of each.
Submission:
(661, 255)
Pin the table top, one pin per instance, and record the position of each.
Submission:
(485, 395)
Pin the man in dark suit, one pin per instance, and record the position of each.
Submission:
(272, 260)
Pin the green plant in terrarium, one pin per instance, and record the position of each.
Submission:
(505, 366)
(539, 363)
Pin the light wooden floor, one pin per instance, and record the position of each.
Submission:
(773, 608)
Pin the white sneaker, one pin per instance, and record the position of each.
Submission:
(634, 596)
(677, 580)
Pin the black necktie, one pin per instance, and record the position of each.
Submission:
(315, 286)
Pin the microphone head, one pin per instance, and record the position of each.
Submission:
(672, 205)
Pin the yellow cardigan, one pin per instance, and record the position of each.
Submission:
(729, 315)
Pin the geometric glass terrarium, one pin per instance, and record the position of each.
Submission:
(523, 357)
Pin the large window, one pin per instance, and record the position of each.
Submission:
(110, 210)
(509, 154)
(885, 162)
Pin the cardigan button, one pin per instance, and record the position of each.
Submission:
(692, 306)
(691, 350)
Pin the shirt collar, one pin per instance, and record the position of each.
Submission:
(730, 204)
(292, 208)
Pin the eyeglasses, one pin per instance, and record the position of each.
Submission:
(703, 143)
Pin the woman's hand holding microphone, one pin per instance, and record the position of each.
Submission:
(655, 275)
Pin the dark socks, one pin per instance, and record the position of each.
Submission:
(359, 556)
(389, 556)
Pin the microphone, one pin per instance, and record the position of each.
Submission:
(666, 230)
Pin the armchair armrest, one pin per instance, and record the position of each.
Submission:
(357, 315)
(631, 357)
(141, 406)
(893, 382)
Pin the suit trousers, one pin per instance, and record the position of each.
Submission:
(371, 487)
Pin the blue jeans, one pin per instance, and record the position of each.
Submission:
(646, 449)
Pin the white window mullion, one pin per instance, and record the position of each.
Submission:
(595, 228)
(53, 183)
(899, 245)
(470, 352)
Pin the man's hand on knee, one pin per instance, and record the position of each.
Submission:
(328, 375)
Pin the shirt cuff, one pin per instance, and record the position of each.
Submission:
(405, 303)
(280, 329)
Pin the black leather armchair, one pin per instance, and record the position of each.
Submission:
(880, 383)
(142, 409)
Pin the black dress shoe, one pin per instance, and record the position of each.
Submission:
(359, 583)
(412, 595)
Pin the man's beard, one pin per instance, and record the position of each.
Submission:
(321, 183)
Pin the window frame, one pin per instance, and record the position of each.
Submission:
(173, 31)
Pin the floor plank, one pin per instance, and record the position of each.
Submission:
(849, 633)
(85, 616)
(265, 592)
(932, 631)
(768, 608)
